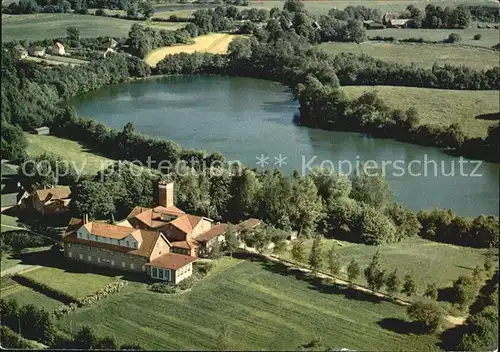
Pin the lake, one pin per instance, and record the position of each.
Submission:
(250, 120)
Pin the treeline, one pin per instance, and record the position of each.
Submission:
(481, 327)
(10, 339)
(484, 13)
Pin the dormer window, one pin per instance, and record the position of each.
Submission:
(127, 243)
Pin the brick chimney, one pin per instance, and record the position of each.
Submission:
(166, 193)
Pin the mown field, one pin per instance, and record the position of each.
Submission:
(263, 310)
(43, 26)
(76, 284)
(216, 43)
(427, 261)
(422, 55)
(25, 295)
(72, 151)
(440, 107)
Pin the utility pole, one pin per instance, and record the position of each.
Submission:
(19, 324)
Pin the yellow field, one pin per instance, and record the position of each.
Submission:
(215, 43)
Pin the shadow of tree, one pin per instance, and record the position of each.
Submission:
(325, 286)
(491, 116)
(446, 294)
(450, 338)
(400, 326)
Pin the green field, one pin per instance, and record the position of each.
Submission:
(76, 284)
(439, 106)
(25, 295)
(422, 55)
(427, 261)
(47, 26)
(263, 310)
(68, 150)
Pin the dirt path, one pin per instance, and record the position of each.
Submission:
(25, 229)
(18, 268)
(452, 320)
(215, 43)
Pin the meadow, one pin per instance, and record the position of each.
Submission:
(439, 106)
(422, 55)
(427, 261)
(76, 284)
(263, 308)
(25, 295)
(43, 26)
(216, 43)
(88, 161)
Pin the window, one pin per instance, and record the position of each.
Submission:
(113, 262)
(135, 244)
(98, 259)
(80, 256)
(155, 272)
(123, 264)
(160, 272)
(167, 275)
(88, 248)
(132, 266)
(70, 254)
(69, 245)
(127, 244)
(89, 258)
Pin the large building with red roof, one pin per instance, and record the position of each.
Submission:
(162, 241)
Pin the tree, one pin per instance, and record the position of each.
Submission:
(333, 261)
(315, 258)
(105, 343)
(409, 286)
(14, 142)
(431, 292)
(231, 240)
(298, 252)
(428, 314)
(477, 37)
(146, 8)
(371, 187)
(73, 33)
(374, 274)
(488, 264)
(130, 347)
(85, 338)
(454, 38)
(353, 271)
(392, 283)
(215, 251)
(355, 32)
(465, 290)
(477, 274)
(93, 198)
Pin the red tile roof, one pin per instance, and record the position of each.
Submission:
(54, 193)
(249, 224)
(186, 223)
(109, 230)
(74, 224)
(215, 231)
(149, 239)
(172, 261)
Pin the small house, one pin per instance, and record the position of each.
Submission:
(44, 130)
(399, 23)
(48, 201)
(104, 53)
(37, 51)
(20, 52)
(58, 49)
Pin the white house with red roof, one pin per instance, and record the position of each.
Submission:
(162, 241)
(58, 49)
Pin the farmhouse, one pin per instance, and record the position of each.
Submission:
(162, 242)
(44, 130)
(20, 52)
(47, 201)
(399, 23)
(58, 49)
(37, 51)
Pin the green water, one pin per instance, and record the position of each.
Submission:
(245, 118)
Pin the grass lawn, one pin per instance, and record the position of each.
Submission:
(76, 284)
(69, 150)
(47, 26)
(439, 106)
(216, 43)
(25, 295)
(422, 55)
(489, 37)
(263, 310)
(427, 261)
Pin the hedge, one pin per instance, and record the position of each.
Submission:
(45, 289)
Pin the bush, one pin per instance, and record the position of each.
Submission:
(11, 340)
(202, 268)
(100, 12)
(427, 314)
(454, 38)
(163, 287)
(477, 37)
